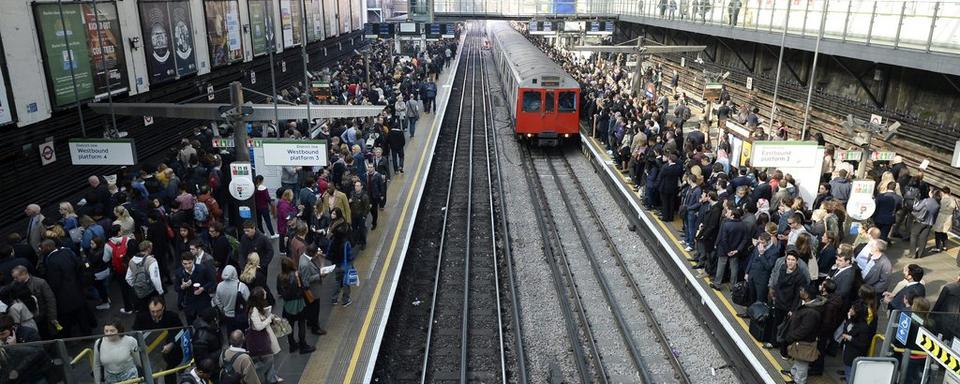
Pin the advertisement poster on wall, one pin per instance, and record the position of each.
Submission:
(6, 110)
(71, 42)
(343, 10)
(223, 31)
(286, 25)
(261, 25)
(291, 18)
(356, 14)
(168, 40)
(314, 20)
(330, 18)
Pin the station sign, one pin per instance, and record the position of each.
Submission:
(409, 29)
(379, 30)
(223, 142)
(449, 31)
(843, 155)
(542, 27)
(604, 27)
(241, 180)
(303, 153)
(102, 152)
(783, 154)
(882, 156)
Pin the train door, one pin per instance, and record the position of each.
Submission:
(530, 114)
(549, 112)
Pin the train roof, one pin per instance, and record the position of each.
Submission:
(529, 62)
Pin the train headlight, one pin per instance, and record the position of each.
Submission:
(566, 135)
(529, 135)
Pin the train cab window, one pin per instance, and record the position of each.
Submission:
(567, 102)
(531, 101)
(548, 102)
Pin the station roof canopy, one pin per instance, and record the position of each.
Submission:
(645, 50)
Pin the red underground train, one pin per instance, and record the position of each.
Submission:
(541, 96)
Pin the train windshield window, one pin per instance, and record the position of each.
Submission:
(531, 101)
(548, 102)
(567, 102)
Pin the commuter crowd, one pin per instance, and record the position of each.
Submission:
(163, 245)
(810, 279)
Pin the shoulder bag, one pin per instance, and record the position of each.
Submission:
(803, 351)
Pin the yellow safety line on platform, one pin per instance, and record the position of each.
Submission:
(676, 243)
(355, 357)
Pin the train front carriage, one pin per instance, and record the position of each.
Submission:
(542, 97)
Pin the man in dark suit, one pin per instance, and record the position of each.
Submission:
(376, 188)
(194, 284)
(912, 274)
(843, 274)
(669, 182)
(707, 234)
(731, 246)
(61, 268)
(888, 203)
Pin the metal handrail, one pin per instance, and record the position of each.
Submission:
(920, 25)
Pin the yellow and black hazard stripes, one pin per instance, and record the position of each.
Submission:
(940, 352)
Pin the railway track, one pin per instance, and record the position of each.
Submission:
(465, 340)
(613, 334)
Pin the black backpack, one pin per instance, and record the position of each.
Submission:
(229, 375)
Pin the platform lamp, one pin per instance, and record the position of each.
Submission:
(869, 128)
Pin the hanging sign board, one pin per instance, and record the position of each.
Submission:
(305, 153)
(842, 155)
(102, 152)
(882, 156)
(711, 91)
(241, 180)
(780, 154)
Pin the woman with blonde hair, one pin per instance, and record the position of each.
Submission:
(70, 221)
(124, 220)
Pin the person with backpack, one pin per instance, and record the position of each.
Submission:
(924, 215)
(116, 251)
(230, 299)
(201, 373)
(237, 366)
(143, 276)
(207, 210)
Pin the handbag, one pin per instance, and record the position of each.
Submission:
(281, 327)
(307, 294)
(803, 351)
(741, 294)
(350, 276)
(258, 342)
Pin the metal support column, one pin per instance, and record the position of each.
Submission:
(813, 73)
(776, 83)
